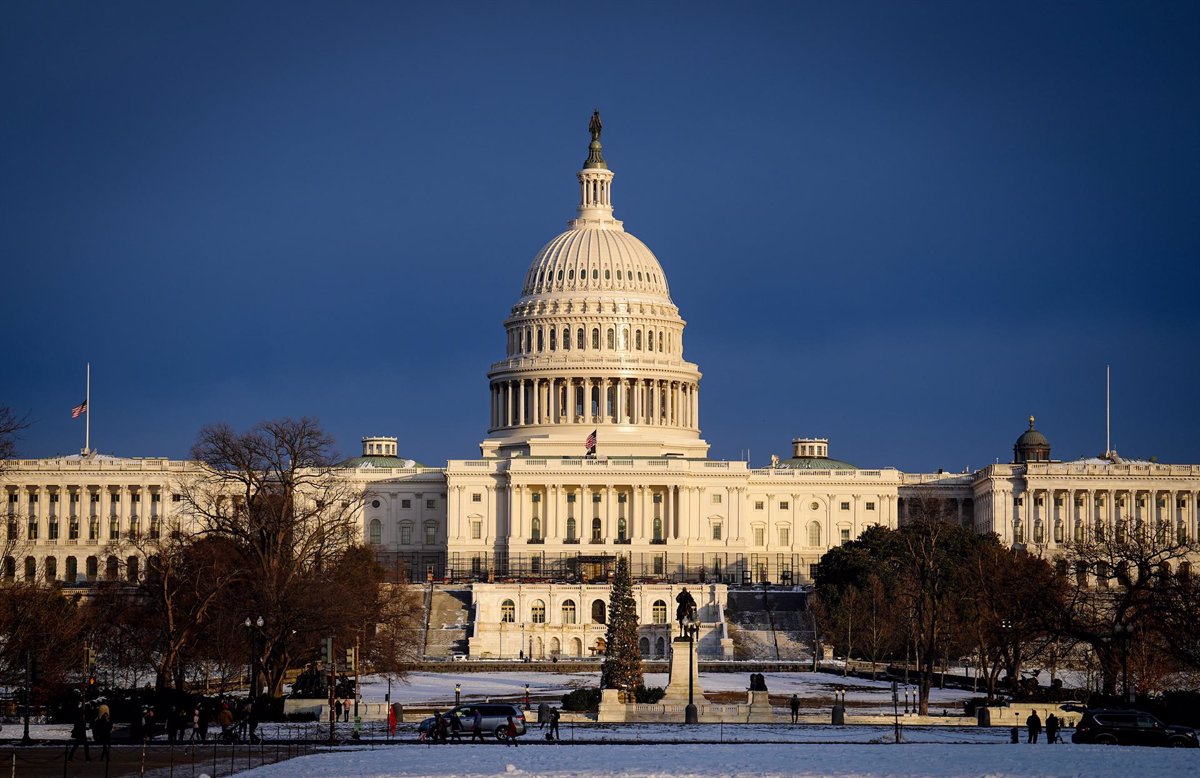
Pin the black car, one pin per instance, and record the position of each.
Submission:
(495, 719)
(1131, 728)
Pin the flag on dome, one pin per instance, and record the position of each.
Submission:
(79, 410)
(590, 443)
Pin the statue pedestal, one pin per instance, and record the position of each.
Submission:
(611, 708)
(760, 708)
(677, 685)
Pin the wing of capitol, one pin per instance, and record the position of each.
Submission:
(594, 451)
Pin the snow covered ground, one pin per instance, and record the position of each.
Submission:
(927, 760)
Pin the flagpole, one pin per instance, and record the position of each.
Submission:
(87, 413)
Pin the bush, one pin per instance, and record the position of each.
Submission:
(648, 696)
(582, 700)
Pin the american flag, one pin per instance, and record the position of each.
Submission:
(590, 443)
(79, 410)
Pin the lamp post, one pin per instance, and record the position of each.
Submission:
(250, 625)
(526, 696)
(457, 694)
(690, 713)
(1124, 634)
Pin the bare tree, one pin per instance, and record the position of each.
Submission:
(273, 494)
(10, 428)
(1121, 590)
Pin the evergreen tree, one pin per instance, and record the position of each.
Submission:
(622, 659)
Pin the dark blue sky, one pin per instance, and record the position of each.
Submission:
(904, 226)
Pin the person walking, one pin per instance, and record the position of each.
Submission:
(1034, 725)
(79, 737)
(511, 731)
(1052, 725)
(554, 716)
(202, 722)
(102, 732)
(795, 704)
(477, 726)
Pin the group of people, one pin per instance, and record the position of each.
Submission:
(183, 724)
(1033, 725)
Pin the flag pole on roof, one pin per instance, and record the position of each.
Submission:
(82, 411)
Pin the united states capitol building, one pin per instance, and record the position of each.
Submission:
(594, 450)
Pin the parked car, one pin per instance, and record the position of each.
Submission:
(1131, 728)
(495, 719)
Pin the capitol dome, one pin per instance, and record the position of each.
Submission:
(596, 260)
(594, 344)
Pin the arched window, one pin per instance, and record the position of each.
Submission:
(612, 339)
(622, 529)
(71, 574)
(376, 532)
(535, 528)
(658, 612)
(1079, 530)
(595, 274)
(814, 533)
(568, 612)
(595, 338)
(131, 569)
(599, 612)
(596, 530)
(570, 528)
(644, 646)
(1058, 532)
(541, 341)
(650, 340)
(554, 340)
(576, 643)
(566, 339)
(579, 339)
(637, 340)
(112, 569)
(658, 528)
(660, 648)
(508, 612)
(92, 568)
(10, 568)
(538, 612)
(30, 568)
(624, 338)
(51, 568)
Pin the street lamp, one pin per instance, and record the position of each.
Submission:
(250, 624)
(457, 694)
(691, 714)
(526, 696)
(1124, 633)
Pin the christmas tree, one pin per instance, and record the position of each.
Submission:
(622, 659)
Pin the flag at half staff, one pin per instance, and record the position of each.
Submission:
(79, 410)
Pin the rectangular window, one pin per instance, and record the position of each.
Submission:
(154, 497)
(813, 567)
(476, 530)
(176, 497)
(759, 505)
(784, 537)
(783, 506)
(845, 506)
(430, 504)
(716, 532)
(476, 497)
(406, 503)
(870, 506)
(33, 530)
(845, 535)
(716, 498)
(430, 534)
(405, 534)
(760, 536)
(570, 499)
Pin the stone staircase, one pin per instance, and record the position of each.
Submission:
(777, 628)
(448, 623)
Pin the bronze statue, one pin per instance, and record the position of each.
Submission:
(595, 126)
(685, 611)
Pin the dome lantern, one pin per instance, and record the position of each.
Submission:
(595, 186)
